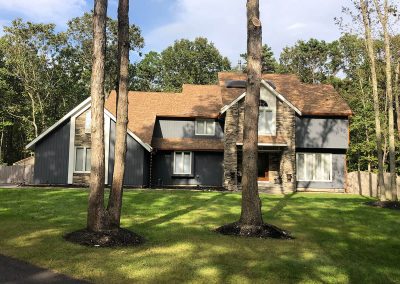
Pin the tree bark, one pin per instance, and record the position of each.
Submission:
(378, 131)
(96, 218)
(396, 97)
(383, 18)
(251, 204)
(115, 200)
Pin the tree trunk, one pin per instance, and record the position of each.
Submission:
(396, 97)
(96, 218)
(378, 131)
(1, 142)
(383, 18)
(115, 200)
(251, 203)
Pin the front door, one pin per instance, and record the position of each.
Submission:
(263, 166)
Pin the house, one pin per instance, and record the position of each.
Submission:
(195, 138)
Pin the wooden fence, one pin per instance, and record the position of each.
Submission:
(365, 183)
(16, 174)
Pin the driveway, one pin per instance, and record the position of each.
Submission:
(13, 271)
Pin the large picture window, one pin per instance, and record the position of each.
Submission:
(82, 159)
(265, 118)
(183, 163)
(205, 127)
(314, 167)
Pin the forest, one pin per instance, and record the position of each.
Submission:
(45, 73)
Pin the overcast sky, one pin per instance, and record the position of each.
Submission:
(221, 21)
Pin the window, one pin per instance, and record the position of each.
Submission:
(265, 118)
(88, 121)
(314, 167)
(183, 163)
(205, 127)
(82, 159)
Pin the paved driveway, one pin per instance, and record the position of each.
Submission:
(13, 271)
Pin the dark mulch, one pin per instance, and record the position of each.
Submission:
(265, 231)
(115, 238)
(395, 205)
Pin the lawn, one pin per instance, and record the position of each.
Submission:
(338, 239)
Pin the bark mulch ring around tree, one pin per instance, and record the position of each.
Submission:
(115, 238)
(265, 231)
(394, 205)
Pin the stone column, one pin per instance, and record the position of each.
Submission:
(287, 129)
(230, 148)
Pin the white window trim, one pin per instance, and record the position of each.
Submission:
(84, 159)
(304, 168)
(191, 164)
(268, 109)
(205, 127)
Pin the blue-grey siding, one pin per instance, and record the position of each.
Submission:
(136, 166)
(182, 128)
(338, 174)
(207, 170)
(327, 133)
(51, 157)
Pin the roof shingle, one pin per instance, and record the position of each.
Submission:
(207, 100)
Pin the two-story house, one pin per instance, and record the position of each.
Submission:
(195, 138)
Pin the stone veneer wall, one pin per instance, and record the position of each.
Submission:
(286, 129)
(81, 139)
(281, 164)
(230, 148)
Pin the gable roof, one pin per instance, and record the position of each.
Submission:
(79, 109)
(309, 99)
(206, 101)
(271, 89)
(145, 107)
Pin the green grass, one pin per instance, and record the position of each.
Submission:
(338, 239)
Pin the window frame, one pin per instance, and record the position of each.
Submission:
(266, 109)
(85, 148)
(206, 121)
(183, 156)
(314, 166)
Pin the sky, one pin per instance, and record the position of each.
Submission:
(221, 21)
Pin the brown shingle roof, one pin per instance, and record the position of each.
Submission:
(207, 101)
(188, 144)
(309, 99)
(144, 107)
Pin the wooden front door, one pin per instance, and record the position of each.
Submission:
(263, 167)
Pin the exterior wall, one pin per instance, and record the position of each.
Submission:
(207, 170)
(136, 166)
(338, 174)
(325, 133)
(81, 139)
(286, 123)
(285, 131)
(51, 157)
(230, 148)
(182, 128)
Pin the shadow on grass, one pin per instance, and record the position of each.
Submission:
(337, 238)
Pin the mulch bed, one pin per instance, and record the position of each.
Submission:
(265, 231)
(115, 238)
(394, 205)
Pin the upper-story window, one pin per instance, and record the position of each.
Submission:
(205, 127)
(265, 118)
(88, 121)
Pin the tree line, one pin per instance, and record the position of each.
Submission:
(44, 74)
